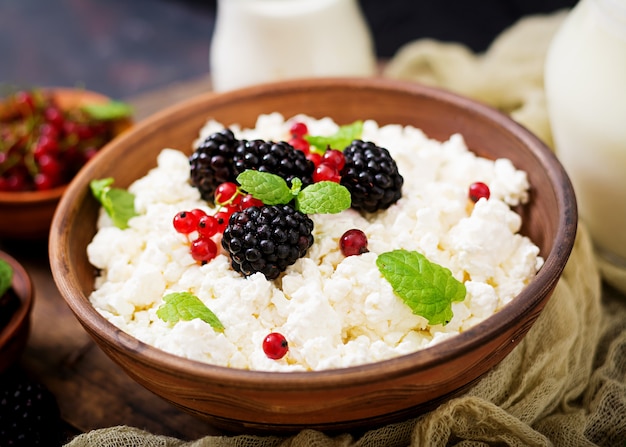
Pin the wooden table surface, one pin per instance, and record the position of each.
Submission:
(91, 390)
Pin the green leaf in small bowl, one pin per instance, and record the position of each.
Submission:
(6, 276)
(111, 110)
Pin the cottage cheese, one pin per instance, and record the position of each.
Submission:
(335, 311)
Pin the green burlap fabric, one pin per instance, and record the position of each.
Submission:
(565, 383)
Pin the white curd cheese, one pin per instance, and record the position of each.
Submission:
(335, 311)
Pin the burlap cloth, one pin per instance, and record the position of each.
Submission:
(565, 383)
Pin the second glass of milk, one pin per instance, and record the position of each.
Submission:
(585, 82)
(258, 41)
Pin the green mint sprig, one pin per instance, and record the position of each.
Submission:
(339, 140)
(427, 288)
(6, 276)
(186, 306)
(319, 198)
(118, 203)
(111, 110)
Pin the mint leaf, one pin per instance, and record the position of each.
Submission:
(186, 306)
(340, 140)
(118, 203)
(111, 110)
(6, 276)
(271, 189)
(427, 288)
(98, 187)
(323, 198)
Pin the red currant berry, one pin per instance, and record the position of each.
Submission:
(44, 182)
(275, 346)
(50, 166)
(334, 158)
(222, 220)
(25, 102)
(85, 131)
(48, 130)
(298, 129)
(207, 226)
(198, 212)
(315, 158)
(54, 116)
(248, 200)
(478, 190)
(70, 128)
(326, 172)
(353, 242)
(185, 222)
(203, 249)
(300, 144)
(46, 145)
(226, 193)
(16, 181)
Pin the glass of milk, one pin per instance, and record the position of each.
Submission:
(258, 41)
(585, 83)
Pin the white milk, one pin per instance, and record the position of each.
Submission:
(585, 82)
(259, 41)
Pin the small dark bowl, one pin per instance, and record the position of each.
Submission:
(27, 215)
(14, 335)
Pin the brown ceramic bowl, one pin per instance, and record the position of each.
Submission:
(343, 399)
(14, 334)
(27, 215)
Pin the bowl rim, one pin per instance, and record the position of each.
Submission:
(424, 359)
(23, 287)
(28, 197)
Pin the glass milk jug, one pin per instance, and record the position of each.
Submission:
(585, 83)
(258, 41)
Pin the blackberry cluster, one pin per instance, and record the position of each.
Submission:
(371, 175)
(29, 414)
(277, 158)
(267, 239)
(221, 158)
(212, 162)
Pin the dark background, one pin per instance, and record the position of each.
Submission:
(126, 47)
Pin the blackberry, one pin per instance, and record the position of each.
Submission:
(371, 175)
(29, 414)
(267, 239)
(212, 163)
(279, 158)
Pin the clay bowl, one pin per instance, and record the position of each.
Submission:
(14, 335)
(344, 399)
(28, 214)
